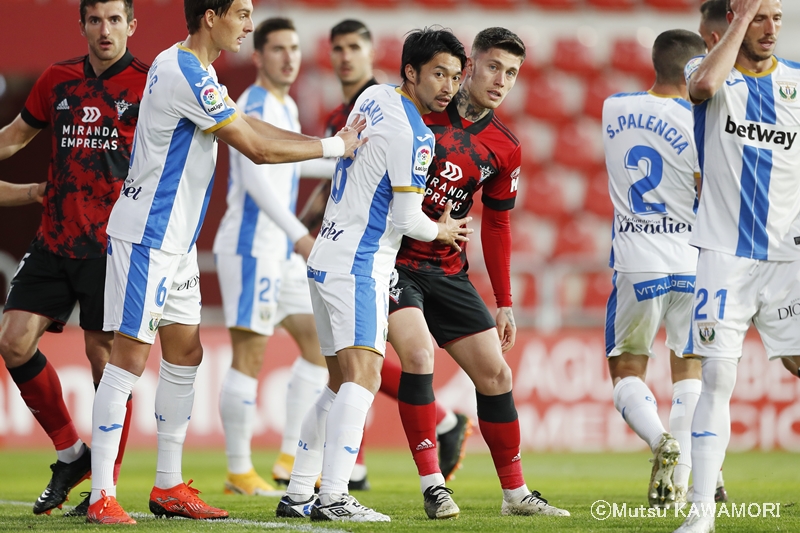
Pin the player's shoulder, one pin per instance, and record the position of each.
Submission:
(787, 65)
(504, 130)
(69, 68)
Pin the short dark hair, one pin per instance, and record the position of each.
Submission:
(351, 26)
(715, 11)
(91, 3)
(500, 38)
(195, 10)
(261, 33)
(422, 45)
(672, 50)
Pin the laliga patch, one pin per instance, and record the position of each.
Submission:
(692, 66)
(422, 160)
(212, 99)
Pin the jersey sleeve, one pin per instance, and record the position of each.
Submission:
(204, 101)
(500, 193)
(408, 160)
(37, 110)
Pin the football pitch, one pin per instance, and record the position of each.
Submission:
(760, 481)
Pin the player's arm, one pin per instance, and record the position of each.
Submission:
(15, 136)
(496, 244)
(12, 194)
(261, 150)
(712, 72)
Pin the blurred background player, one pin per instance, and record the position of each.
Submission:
(652, 187)
(748, 221)
(151, 280)
(262, 281)
(68, 255)
(713, 21)
(374, 201)
(431, 291)
(351, 56)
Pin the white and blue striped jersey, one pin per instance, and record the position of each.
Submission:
(174, 154)
(357, 235)
(651, 160)
(749, 153)
(245, 229)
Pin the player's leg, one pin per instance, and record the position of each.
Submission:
(40, 299)
(480, 355)
(686, 387)
(409, 336)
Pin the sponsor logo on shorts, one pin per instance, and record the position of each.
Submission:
(316, 275)
(265, 313)
(647, 290)
(707, 332)
(190, 283)
(797, 240)
(790, 311)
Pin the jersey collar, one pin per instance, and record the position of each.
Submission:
(123, 63)
(475, 127)
(752, 74)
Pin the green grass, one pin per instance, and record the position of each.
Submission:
(571, 481)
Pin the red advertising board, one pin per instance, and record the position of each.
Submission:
(561, 387)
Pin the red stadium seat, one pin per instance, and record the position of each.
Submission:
(596, 93)
(391, 4)
(575, 241)
(615, 5)
(597, 199)
(577, 147)
(322, 52)
(483, 285)
(628, 55)
(555, 4)
(673, 5)
(597, 289)
(440, 4)
(524, 290)
(544, 197)
(547, 100)
(389, 54)
(572, 56)
(497, 4)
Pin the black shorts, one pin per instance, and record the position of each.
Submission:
(452, 307)
(49, 285)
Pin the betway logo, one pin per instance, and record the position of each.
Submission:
(761, 133)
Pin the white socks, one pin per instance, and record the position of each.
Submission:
(637, 404)
(71, 454)
(307, 381)
(431, 480)
(516, 495)
(310, 447)
(711, 426)
(108, 416)
(448, 422)
(685, 394)
(343, 435)
(237, 408)
(174, 399)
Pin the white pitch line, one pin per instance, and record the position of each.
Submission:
(232, 521)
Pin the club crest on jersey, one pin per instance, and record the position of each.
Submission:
(707, 332)
(422, 160)
(787, 90)
(155, 318)
(212, 100)
(265, 313)
(121, 106)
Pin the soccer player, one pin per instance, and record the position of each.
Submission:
(91, 103)
(374, 201)
(748, 221)
(262, 279)
(713, 21)
(151, 280)
(651, 174)
(351, 57)
(431, 289)
(13, 194)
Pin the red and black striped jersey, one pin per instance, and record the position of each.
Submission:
(338, 117)
(93, 119)
(468, 157)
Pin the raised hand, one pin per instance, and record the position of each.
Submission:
(452, 231)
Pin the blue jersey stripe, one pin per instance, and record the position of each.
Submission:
(613, 236)
(247, 230)
(199, 80)
(135, 290)
(700, 112)
(365, 327)
(244, 312)
(376, 227)
(623, 95)
(422, 138)
(164, 198)
(206, 200)
(611, 317)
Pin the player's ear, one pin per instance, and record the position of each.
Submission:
(132, 25)
(469, 66)
(83, 27)
(411, 74)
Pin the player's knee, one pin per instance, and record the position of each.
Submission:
(417, 361)
(15, 350)
(494, 381)
(719, 376)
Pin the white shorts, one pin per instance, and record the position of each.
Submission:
(732, 291)
(637, 306)
(259, 292)
(146, 286)
(350, 311)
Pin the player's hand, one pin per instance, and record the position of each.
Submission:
(303, 246)
(506, 328)
(36, 192)
(350, 136)
(746, 9)
(452, 231)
